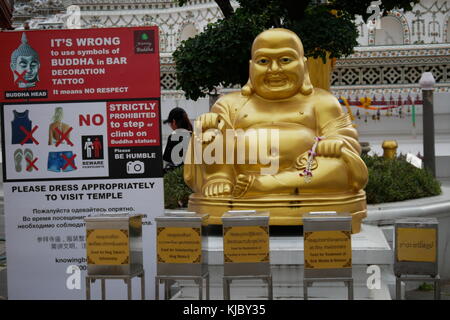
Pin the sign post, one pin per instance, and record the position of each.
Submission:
(416, 252)
(427, 83)
(327, 249)
(81, 135)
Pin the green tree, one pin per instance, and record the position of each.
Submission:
(219, 55)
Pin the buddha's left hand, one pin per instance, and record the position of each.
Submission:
(330, 148)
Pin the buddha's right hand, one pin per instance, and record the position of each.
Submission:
(210, 124)
(209, 120)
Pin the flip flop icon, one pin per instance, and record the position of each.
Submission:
(18, 156)
(28, 155)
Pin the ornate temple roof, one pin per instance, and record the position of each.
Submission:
(390, 58)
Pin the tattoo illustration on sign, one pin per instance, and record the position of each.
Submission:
(179, 245)
(107, 246)
(416, 244)
(328, 249)
(246, 244)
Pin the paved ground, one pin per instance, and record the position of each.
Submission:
(417, 294)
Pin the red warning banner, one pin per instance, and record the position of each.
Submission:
(78, 65)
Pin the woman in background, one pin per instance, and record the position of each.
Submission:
(178, 140)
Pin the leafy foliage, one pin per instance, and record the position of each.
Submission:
(340, 42)
(397, 180)
(176, 192)
(219, 55)
(426, 287)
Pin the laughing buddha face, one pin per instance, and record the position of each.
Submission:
(277, 67)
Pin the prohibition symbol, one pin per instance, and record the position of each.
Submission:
(31, 164)
(69, 161)
(29, 135)
(20, 77)
(63, 136)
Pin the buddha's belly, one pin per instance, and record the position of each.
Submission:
(271, 144)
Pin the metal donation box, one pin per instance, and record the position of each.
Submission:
(327, 248)
(416, 251)
(246, 243)
(181, 247)
(416, 246)
(114, 244)
(246, 249)
(114, 249)
(181, 244)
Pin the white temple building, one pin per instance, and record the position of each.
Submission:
(386, 66)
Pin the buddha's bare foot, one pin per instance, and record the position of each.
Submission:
(243, 184)
(256, 185)
(218, 189)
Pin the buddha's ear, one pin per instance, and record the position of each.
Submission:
(307, 86)
(247, 89)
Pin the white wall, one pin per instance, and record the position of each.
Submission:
(391, 32)
(188, 32)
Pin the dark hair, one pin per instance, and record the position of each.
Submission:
(181, 118)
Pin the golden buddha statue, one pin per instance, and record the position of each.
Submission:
(316, 149)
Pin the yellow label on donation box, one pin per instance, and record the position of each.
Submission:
(416, 244)
(328, 249)
(246, 244)
(107, 247)
(179, 245)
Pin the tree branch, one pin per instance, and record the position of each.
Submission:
(225, 7)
